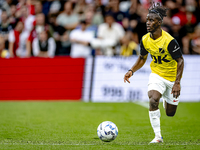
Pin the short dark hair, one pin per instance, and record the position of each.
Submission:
(158, 9)
(109, 14)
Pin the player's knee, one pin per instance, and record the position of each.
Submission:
(154, 103)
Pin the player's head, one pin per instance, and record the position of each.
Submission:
(155, 17)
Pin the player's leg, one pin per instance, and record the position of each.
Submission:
(154, 114)
(154, 98)
(170, 103)
(170, 109)
(156, 88)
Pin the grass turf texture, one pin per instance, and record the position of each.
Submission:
(73, 125)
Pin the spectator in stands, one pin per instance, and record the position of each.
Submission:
(81, 39)
(39, 26)
(16, 46)
(54, 7)
(92, 19)
(46, 5)
(60, 35)
(65, 44)
(114, 9)
(80, 9)
(186, 20)
(3, 52)
(83, 9)
(183, 17)
(13, 15)
(28, 21)
(129, 47)
(186, 14)
(197, 11)
(191, 7)
(99, 11)
(172, 9)
(125, 5)
(68, 19)
(5, 27)
(177, 31)
(131, 15)
(20, 4)
(140, 29)
(37, 7)
(97, 14)
(194, 45)
(89, 16)
(40, 23)
(4, 4)
(191, 43)
(30, 4)
(44, 45)
(109, 35)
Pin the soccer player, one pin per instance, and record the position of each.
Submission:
(166, 66)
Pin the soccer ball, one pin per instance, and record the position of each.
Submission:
(107, 131)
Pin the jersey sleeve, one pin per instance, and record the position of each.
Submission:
(143, 51)
(174, 49)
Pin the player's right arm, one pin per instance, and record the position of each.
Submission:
(138, 64)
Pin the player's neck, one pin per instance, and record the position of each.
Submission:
(155, 35)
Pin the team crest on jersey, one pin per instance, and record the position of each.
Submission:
(161, 50)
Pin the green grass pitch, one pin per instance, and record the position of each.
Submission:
(73, 125)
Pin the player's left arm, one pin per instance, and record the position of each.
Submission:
(175, 51)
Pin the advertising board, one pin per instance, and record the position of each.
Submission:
(108, 84)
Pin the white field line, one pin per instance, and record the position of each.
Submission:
(143, 104)
(40, 144)
(43, 144)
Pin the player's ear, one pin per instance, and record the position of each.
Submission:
(160, 22)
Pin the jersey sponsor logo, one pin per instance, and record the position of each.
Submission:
(159, 59)
(161, 50)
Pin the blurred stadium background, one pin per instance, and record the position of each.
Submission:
(79, 51)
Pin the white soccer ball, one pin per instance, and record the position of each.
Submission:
(107, 131)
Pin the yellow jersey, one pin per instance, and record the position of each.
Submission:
(164, 52)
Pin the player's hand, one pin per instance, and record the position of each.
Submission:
(127, 76)
(176, 90)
